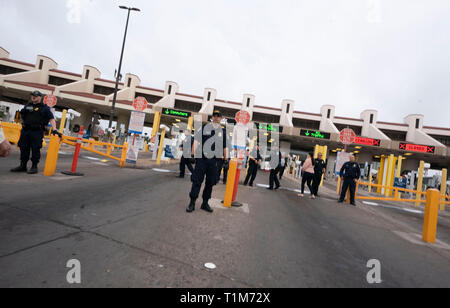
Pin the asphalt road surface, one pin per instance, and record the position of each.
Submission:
(129, 228)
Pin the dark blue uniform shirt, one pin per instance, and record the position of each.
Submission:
(36, 116)
(205, 134)
(351, 170)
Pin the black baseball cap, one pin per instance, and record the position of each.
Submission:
(36, 93)
(217, 113)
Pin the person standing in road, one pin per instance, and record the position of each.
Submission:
(254, 161)
(350, 174)
(282, 165)
(273, 178)
(207, 164)
(35, 116)
(185, 160)
(308, 175)
(319, 170)
(5, 147)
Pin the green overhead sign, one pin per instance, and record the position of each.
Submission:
(176, 113)
(315, 134)
(269, 127)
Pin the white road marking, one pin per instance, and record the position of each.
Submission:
(63, 178)
(394, 207)
(417, 239)
(162, 170)
(210, 266)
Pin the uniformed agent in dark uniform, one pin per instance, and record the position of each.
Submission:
(350, 173)
(35, 117)
(207, 165)
(254, 161)
(186, 161)
(319, 170)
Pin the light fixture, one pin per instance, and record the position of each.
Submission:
(408, 154)
(358, 147)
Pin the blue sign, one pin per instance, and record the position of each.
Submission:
(400, 182)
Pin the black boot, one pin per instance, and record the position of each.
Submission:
(33, 169)
(191, 206)
(21, 168)
(206, 207)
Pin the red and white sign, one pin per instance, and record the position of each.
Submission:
(243, 117)
(50, 100)
(368, 141)
(140, 103)
(347, 136)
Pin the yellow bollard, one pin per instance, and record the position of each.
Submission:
(420, 182)
(380, 174)
(443, 188)
(389, 171)
(399, 166)
(161, 144)
(190, 123)
(52, 156)
(156, 122)
(338, 188)
(229, 190)
(124, 155)
(62, 125)
(431, 216)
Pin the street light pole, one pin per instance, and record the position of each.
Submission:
(111, 118)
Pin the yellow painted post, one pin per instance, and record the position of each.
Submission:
(52, 156)
(443, 188)
(124, 155)
(380, 174)
(114, 139)
(156, 122)
(390, 168)
(324, 157)
(63, 121)
(161, 144)
(190, 123)
(420, 182)
(338, 188)
(391, 183)
(431, 216)
(399, 166)
(229, 190)
(316, 150)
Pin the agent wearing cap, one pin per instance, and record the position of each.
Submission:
(35, 116)
(350, 173)
(207, 164)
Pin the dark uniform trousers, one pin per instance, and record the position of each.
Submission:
(225, 165)
(204, 167)
(273, 177)
(183, 163)
(30, 141)
(251, 173)
(316, 182)
(349, 182)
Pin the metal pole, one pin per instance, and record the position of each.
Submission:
(118, 73)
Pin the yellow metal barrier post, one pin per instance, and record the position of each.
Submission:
(63, 121)
(52, 156)
(324, 157)
(156, 122)
(390, 172)
(161, 145)
(190, 123)
(380, 173)
(420, 182)
(443, 188)
(229, 190)
(431, 216)
(124, 155)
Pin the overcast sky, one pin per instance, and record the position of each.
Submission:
(393, 56)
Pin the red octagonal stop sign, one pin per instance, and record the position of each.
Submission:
(347, 136)
(50, 100)
(140, 103)
(243, 117)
